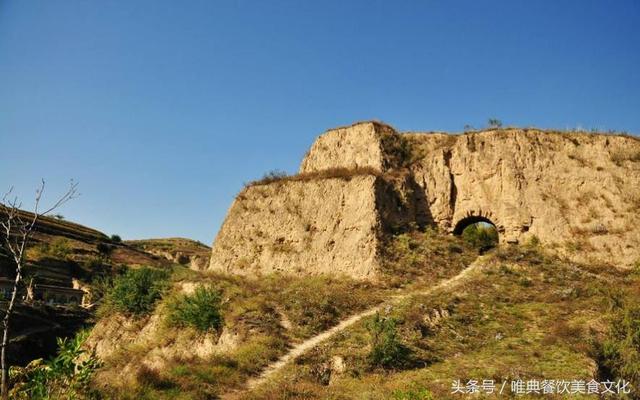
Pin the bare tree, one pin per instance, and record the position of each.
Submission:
(17, 228)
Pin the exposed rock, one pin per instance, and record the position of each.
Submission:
(577, 192)
(560, 187)
(337, 365)
(356, 146)
(117, 336)
(322, 226)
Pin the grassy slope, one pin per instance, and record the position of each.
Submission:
(60, 252)
(525, 316)
(268, 314)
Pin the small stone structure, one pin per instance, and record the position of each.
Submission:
(51, 294)
(577, 192)
(57, 294)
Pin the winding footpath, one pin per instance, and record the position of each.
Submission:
(301, 348)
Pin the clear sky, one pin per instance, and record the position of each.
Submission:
(162, 109)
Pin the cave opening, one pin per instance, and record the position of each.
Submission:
(478, 231)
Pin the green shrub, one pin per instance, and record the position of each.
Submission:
(386, 349)
(58, 249)
(314, 304)
(94, 264)
(100, 285)
(137, 291)
(481, 235)
(534, 241)
(255, 354)
(65, 376)
(104, 248)
(412, 394)
(200, 310)
(116, 238)
(619, 355)
(398, 149)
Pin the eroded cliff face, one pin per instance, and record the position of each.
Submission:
(356, 146)
(580, 192)
(319, 226)
(576, 192)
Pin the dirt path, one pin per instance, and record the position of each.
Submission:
(310, 343)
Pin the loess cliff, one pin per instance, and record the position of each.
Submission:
(576, 192)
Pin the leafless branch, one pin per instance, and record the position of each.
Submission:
(17, 234)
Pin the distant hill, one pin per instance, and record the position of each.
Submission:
(70, 255)
(182, 251)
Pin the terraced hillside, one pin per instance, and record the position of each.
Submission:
(64, 254)
(181, 251)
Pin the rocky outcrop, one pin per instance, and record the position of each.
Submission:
(356, 146)
(577, 192)
(118, 340)
(321, 226)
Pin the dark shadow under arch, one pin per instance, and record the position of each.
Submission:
(470, 220)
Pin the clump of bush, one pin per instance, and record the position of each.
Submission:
(618, 355)
(317, 303)
(480, 235)
(66, 376)
(386, 349)
(104, 248)
(412, 394)
(619, 157)
(494, 123)
(340, 173)
(58, 249)
(137, 291)
(399, 150)
(200, 310)
(116, 238)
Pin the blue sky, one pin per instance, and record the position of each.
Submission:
(162, 109)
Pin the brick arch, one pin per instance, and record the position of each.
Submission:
(473, 216)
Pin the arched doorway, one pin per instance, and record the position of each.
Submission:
(478, 231)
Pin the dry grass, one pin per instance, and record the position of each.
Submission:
(253, 309)
(332, 173)
(578, 245)
(417, 258)
(582, 162)
(585, 198)
(621, 156)
(526, 316)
